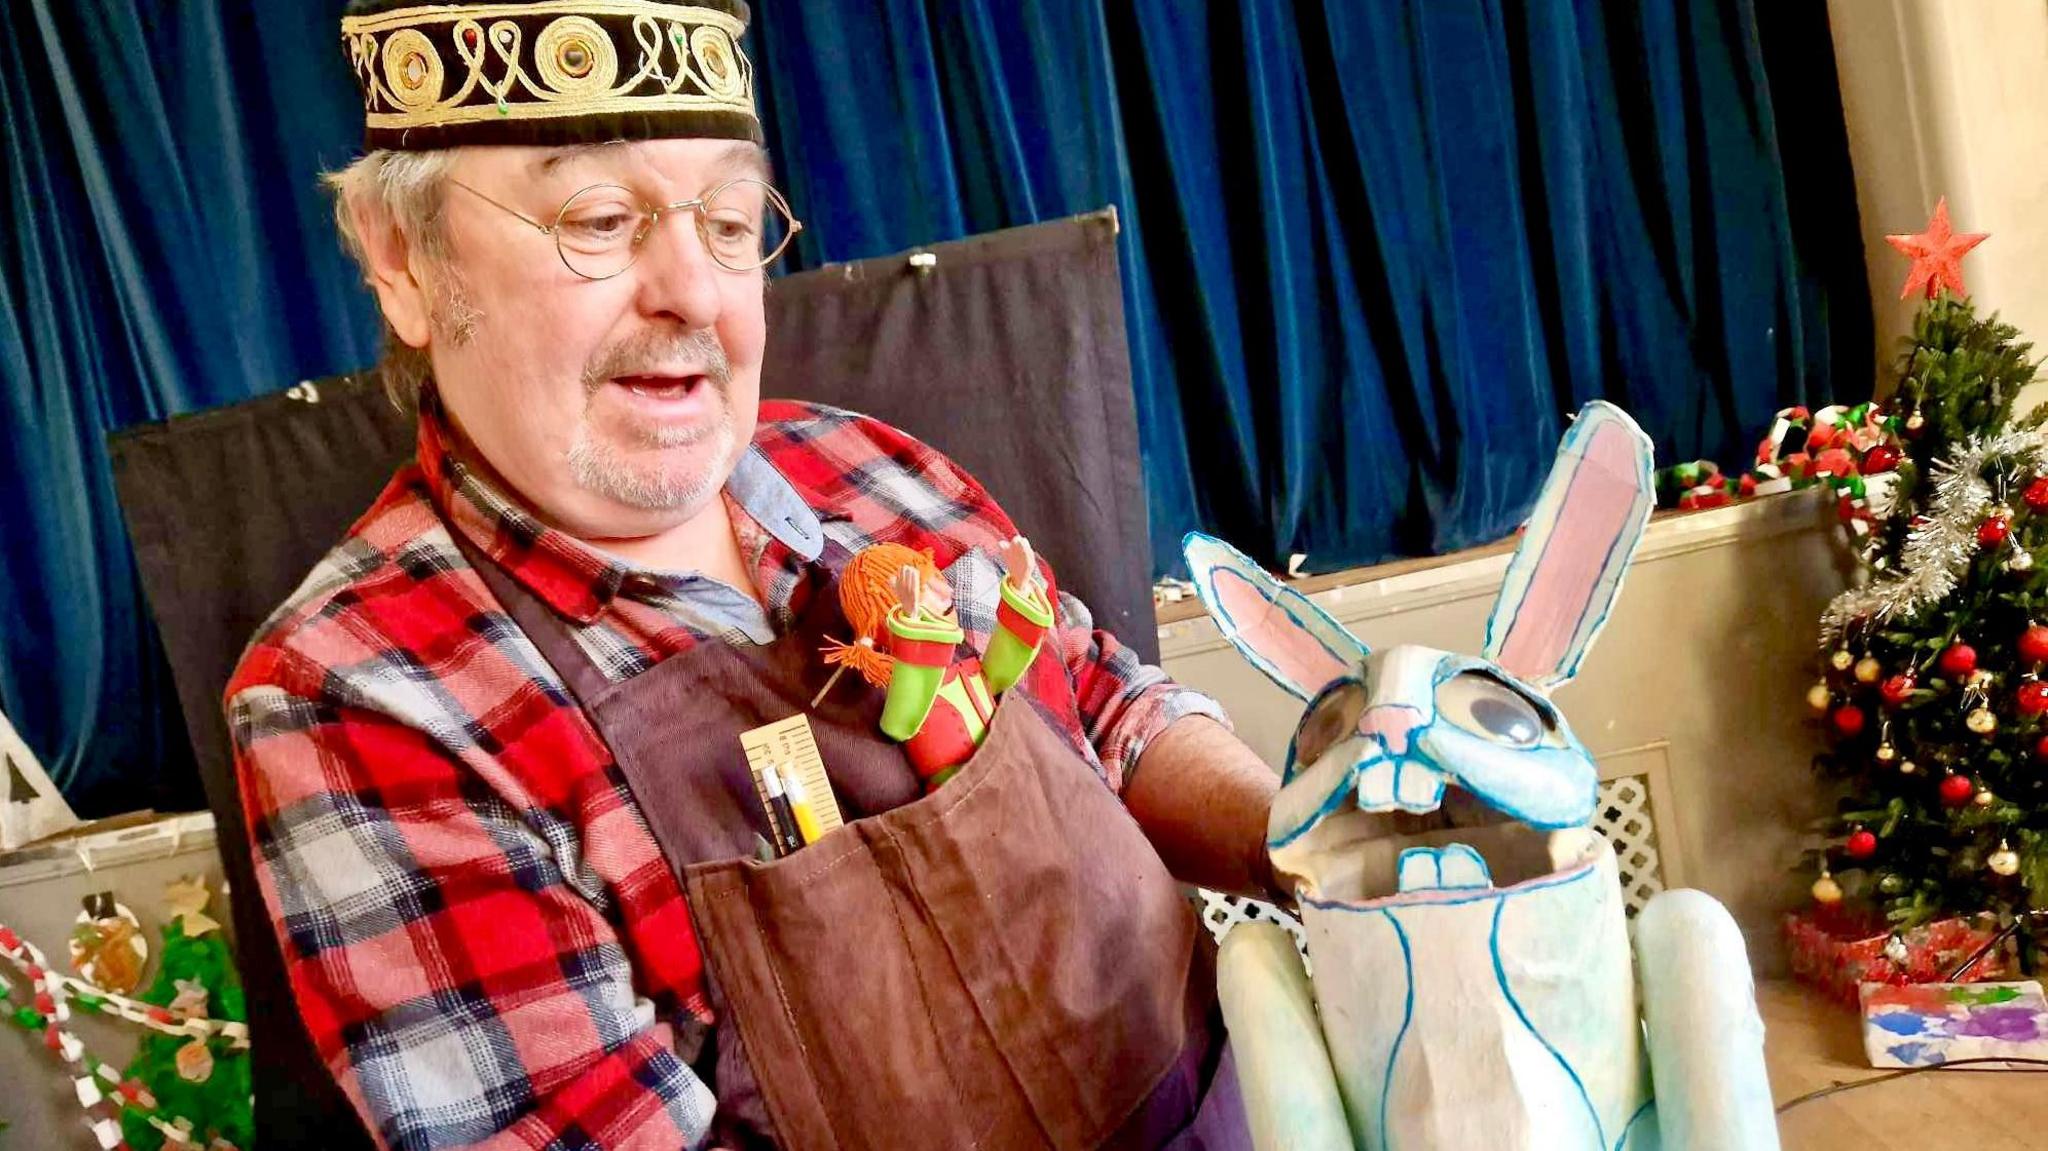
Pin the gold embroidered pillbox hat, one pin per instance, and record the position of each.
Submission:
(549, 71)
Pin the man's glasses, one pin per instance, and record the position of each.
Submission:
(744, 223)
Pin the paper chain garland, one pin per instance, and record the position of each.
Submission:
(1939, 548)
(54, 992)
(1849, 450)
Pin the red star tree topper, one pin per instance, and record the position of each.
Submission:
(1937, 256)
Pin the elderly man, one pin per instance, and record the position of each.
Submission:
(491, 749)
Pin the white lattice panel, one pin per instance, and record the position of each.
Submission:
(1623, 817)
(1223, 912)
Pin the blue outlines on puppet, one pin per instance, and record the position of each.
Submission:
(1397, 900)
(1640, 1132)
(1407, 1017)
(1500, 976)
(1411, 858)
(1309, 619)
(1543, 518)
(1509, 790)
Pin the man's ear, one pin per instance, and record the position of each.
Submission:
(388, 259)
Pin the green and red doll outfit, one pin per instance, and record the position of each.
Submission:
(940, 700)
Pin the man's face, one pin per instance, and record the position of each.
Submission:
(616, 408)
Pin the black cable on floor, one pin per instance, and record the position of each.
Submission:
(2034, 1067)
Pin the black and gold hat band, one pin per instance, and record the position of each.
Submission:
(550, 72)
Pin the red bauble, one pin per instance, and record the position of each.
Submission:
(1956, 790)
(2041, 748)
(2036, 494)
(1848, 720)
(1957, 660)
(1897, 689)
(2033, 644)
(2033, 697)
(1994, 530)
(1862, 844)
(1882, 458)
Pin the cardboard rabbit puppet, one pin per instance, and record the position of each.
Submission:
(1473, 982)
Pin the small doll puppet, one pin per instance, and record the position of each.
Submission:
(907, 640)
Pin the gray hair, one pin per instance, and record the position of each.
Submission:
(405, 189)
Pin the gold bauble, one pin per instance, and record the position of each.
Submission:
(1886, 753)
(2004, 861)
(1983, 721)
(1908, 767)
(1819, 698)
(1826, 890)
(1868, 669)
(1984, 798)
(1841, 660)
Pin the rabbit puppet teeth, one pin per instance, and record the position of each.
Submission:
(1433, 868)
(1455, 867)
(1463, 850)
(1391, 784)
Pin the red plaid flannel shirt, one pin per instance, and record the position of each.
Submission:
(483, 937)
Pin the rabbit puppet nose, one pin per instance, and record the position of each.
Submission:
(1387, 778)
(1393, 724)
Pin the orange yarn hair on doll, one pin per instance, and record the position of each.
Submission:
(867, 598)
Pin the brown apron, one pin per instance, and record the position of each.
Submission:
(1004, 963)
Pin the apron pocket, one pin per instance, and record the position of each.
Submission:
(1062, 921)
(1001, 964)
(858, 1028)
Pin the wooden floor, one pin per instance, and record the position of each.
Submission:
(1812, 1043)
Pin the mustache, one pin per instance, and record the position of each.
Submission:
(654, 352)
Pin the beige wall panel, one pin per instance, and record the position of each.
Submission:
(1950, 98)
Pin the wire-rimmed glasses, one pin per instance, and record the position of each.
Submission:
(744, 224)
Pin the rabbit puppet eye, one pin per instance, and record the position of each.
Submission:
(1492, 710)
(1331, 718)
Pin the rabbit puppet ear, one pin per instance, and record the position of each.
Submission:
(1580, 538)
(1277, 628)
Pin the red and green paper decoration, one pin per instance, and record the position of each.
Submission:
(188, 1086)
(1851, 450)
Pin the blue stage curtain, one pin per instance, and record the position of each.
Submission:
(166, 248)
(1373, 251)
(1377, 249)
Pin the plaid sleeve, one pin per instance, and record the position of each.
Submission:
(1124, 701)
(460, 988)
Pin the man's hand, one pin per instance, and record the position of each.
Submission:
(909, 589)
(1018, 563)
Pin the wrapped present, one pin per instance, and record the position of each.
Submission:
(1836, 948)
(1922, 1025)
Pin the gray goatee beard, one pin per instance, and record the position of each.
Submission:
(600, 467)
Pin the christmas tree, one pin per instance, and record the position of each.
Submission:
(1932, 687)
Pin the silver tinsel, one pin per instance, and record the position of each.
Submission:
(1938, 552)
